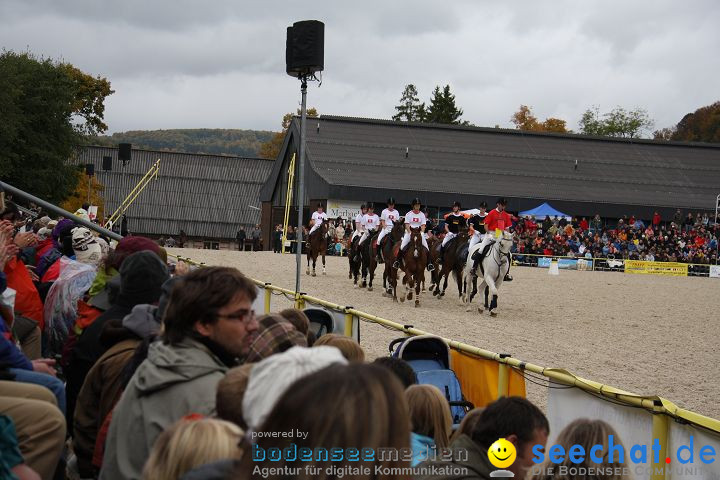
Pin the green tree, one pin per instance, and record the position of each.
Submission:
(46, 109)
(442, 108)
(616, 123)
(271, 148)
(410, 108)
(703, 125)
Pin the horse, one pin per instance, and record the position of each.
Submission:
(368, 261)
(453, 261)
(390, 249)
(434, 245)
(494, 267)
(414, 262)
(317, 245)
(354, 270)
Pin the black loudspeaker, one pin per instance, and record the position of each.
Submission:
(305, 48)
(89, 169)
(124, 152)
(107, 164)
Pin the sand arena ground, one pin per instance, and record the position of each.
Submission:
(645, 334)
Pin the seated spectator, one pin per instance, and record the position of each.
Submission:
(402, 370)
(586, 433)
(265, 386)
(430, 419)
(230, 393)
(513, 418)
(351, 394)
(274, 335)
(468, 423)
(349, 347)
(300, 321)
(208, 324)
(12, 464)
(189, 443)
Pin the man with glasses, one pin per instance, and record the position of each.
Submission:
(209, 325)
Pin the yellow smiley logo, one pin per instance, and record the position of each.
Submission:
(502, 453)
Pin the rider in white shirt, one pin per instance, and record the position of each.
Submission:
(359, 226)
(387, 218)
(477, 221)
(370, 221)
(318, 218)
(414, 219)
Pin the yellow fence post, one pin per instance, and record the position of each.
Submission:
(268, 295)
(503, 377)
(348, 322)
(660, 427)
(300, 301)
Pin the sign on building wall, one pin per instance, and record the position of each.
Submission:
(344, 209)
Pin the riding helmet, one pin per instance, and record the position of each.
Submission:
(415, 201)
(391, 201)
(457, 204)
(483, 205)
(502, 201)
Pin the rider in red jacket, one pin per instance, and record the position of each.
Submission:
(497, 219)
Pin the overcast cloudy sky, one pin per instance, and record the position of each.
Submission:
(220, 63)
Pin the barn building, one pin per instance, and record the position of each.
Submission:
(354, 160)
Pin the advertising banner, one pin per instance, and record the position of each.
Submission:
(344, 209)
(656, 268)
(715, 271)
(564, 263)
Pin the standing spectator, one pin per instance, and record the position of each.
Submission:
(677, 217)
(277, 239)
(656, 220)
(291, 238)
(256, 238)
(183, 239)
(584, 224)
(689, 222)
(208, 324)
(170, 242)
(124, 226)
(240, 237)
(596, 223)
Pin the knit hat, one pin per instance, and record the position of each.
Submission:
(274, 335)
(141, 277)
(271, 377)
(130, 245)
(81, 237)
(90, 254)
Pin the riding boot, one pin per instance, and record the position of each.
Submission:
(476, 262)
(508, 278)
(441, 255)
(398, 264)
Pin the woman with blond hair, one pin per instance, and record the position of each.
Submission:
(431, 421)
(189, 443)
(349, 347)
(586, 433)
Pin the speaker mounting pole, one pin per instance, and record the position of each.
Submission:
(301, 183)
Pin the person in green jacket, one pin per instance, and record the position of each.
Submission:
(209, 325)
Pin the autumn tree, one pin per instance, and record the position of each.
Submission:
(85, 185)
(47, 108)
(410, 109)
(616, 123)
(525, 120)
(271, 148)
(703, 125)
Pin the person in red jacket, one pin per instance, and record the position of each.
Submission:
(497, 220)
(656, 220)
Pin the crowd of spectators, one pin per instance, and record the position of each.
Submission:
(687, 239)
(115, 366)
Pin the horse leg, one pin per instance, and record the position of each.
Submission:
(419, 278)
(492, 294)
(323, 258)
(410, 286)
(307, 270)
(371, 274)
(404, 295)
(445, 282)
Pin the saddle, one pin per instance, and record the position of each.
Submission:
(478, 257)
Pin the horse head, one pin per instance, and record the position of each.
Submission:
(506, 242)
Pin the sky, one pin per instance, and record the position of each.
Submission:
(221, 63)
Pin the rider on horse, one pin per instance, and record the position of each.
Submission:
(477, 222)
(497, 220)
(453, 223)
(318, 218)
(359, 226)
(387, 218)
(413, 219)
(370, 222)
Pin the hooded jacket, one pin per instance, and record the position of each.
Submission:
(174, 381)
(476, 467)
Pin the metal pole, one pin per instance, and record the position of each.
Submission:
(717, 237)
(301, 183)
(59, 211)
(89, 187)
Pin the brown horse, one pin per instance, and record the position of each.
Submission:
(317, 245)
(453, 261)
(368, 260)
(434, 245)
(414, 262)
(390, 247)
(354, 271)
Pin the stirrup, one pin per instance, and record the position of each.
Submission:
(430, 267)
(396, 264)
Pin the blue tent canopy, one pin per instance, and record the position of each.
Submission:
(543, 211)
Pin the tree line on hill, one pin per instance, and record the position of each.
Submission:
(703, 125)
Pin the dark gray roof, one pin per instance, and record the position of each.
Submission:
(208, 196)
(367, 153)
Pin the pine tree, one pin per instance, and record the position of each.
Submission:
(410, 108)
(442, 108)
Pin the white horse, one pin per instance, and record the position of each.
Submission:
(495, 266)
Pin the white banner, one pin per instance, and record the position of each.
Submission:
(634, 427)
(715, 271)
(344, 209)
(92, 212)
